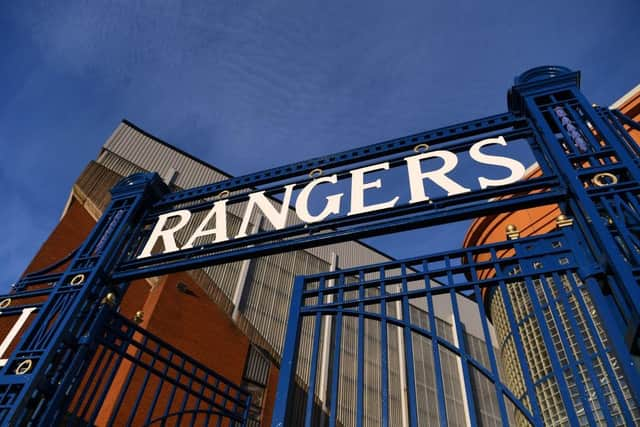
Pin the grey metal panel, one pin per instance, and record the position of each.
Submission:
(152, 155)
(94, 183)
(257, 367)
(118, 164)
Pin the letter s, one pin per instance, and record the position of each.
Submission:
(517, 169)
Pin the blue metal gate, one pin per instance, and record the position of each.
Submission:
(120, 373)
(540, 330)
(395, 362)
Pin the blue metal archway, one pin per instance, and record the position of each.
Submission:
(589, 168)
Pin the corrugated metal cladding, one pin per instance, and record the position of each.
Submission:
(151, 155)
(95, 182)
(257, 367)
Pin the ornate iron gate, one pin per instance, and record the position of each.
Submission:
(135, 378)
(542, 309)
(573, 289)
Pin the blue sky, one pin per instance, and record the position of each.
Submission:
(252, 85)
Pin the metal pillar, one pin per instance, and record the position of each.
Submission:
(601, 171)
(37, 376)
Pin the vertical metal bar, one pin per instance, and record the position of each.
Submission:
(616, 124)
(199, 395)
(101, 371)
(326, 339)
(497, 380)
(314, 356)
(632, 201)
(384, 359)
(515, 333)
(625, 235)
(174, 388)
(360, 370)
(437, 365)
(245, 414)
(557, 368)
(586, 359)
(214, 396)
(468, 397)
(335, 374)
(408, 351)
(92, 382)
(105, 390)
(183, 405)
(402, 370)
(156, 395)
(286, 380)
(127, 382)
(223, 404)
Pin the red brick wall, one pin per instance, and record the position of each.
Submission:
(270, 396)
(65, 237)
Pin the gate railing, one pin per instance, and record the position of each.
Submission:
(521, 342)
(135, 378)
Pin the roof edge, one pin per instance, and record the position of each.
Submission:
(173, 147)
(626, 97)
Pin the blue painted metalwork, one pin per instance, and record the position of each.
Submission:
(158, 384)
(35, 380)
(551, 260)
(603, 179)
(580, 285)
(539, 191)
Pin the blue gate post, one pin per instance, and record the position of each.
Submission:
(603, 180)
(44, 369)
(287, 375)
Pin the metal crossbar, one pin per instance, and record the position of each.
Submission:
(135, 378)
